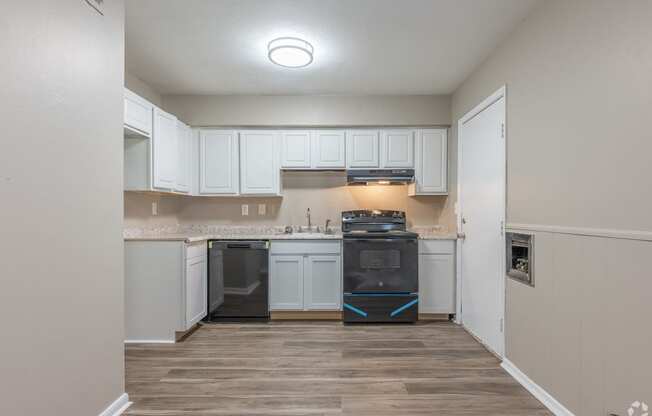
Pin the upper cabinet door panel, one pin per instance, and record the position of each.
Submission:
(328, 149)
(164, 143)
(295, 149)
(218, 162)
(431, 168)
(259, 171)
(184, 149)
(138, 113)
(397, 149)
(362, 150)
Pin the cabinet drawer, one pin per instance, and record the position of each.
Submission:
(436, 246)
(305, 247)
(196, 250)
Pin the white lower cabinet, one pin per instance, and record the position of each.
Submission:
(305, 276)
(286, 275)
(437, 276)
(321, 289)
(165, 289)
(196, 295)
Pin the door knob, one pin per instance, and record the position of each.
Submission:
(463, 220)
(461, 236)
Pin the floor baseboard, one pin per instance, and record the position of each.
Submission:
(537, 391)
(118, 406)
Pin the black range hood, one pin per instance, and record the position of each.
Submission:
(379, 176)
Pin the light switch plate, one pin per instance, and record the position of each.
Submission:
(245, 210)
(262, 209)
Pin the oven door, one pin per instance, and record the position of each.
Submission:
(381, 265)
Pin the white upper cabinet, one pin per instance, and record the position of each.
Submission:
(328, 149)
(218, 162)
(259, 169)
(184, 159)
(138, 113)
(431, 166)
(164, 144)
(295, 149)
(362, 150)
(397, 149)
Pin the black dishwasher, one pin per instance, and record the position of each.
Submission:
(238, 281)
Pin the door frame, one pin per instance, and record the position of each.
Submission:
(487, 102)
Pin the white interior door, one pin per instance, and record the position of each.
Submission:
(482, 216)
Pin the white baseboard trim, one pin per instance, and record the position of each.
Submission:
(537, 391)
(118, 406)
(149, 341)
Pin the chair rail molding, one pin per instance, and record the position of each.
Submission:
(584, 231)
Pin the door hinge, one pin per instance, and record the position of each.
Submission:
(502, 228)
(501, 325)
(502, 130)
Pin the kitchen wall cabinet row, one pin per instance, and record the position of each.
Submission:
(163, 154)
(165, 289)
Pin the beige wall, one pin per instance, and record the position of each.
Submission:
(310, 110)
(61, 303)
(325, 195)
(578, 76)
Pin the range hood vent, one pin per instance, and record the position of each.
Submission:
(379, 176)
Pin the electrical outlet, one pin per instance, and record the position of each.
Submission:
(262, 209)
(245, 210)
(154, 208)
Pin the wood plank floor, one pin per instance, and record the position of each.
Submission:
(323, 368)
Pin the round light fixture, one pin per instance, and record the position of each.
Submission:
(290, 52)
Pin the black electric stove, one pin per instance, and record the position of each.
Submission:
(381, 281)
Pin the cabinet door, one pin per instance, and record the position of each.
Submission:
(362, 150)
(397, 149)
(322, 289)
(218, 162)
(164, 143)
(295, 149)
(259, 172)
(328, 149)
(436, 283)
(431, 162)
(138, 113)
(286, 283)
(184, 145)
(196, 296)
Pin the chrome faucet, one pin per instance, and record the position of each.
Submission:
(309, 222)
(326, 229)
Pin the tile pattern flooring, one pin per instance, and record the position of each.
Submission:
(323, 368)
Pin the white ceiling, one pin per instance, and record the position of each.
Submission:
(361, 46)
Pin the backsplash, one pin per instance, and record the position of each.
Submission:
(324, 193)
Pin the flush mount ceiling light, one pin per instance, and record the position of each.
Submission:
(290, 52)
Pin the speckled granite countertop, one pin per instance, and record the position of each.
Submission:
(197, 233)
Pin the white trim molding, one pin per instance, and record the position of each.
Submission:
(537, 391)
(118, 406)
(590, 232)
